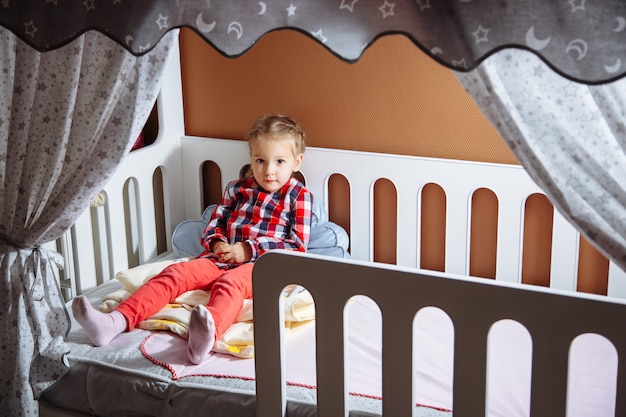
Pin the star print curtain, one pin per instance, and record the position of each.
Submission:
(67, 118)
(570, 137)
(580, 40)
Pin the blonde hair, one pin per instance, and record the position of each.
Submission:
(277, 125)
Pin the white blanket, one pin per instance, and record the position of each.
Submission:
(238, 340)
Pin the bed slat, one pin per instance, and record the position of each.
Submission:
(470, 365)
(361, 219)
(117, 237)
(617, 281)
(457, 231)
(549, 376)
(146, 227)
(510, 236)
(409, 211)
(332, 392)
(397, 377)
(620, 407)
(83, 269)
(564, 267)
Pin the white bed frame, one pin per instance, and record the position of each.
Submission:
(473, 305)
(123, 233)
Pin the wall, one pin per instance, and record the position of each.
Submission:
(394, 91)
(395, 99)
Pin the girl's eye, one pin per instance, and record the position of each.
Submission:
(281, 161)
(259, 161)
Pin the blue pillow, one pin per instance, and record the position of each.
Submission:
(327, 238)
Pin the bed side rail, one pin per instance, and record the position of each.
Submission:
(332, 282)
(129, 223)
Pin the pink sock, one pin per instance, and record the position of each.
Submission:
(201, 334)
(100, 327)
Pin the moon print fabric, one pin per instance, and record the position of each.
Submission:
(582, 40)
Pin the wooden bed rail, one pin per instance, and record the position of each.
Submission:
(409, 174)
(332, 282)
(123, 232)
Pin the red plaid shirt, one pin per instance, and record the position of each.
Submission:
(266, 221)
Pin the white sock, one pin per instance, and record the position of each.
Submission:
(100, 327)
(201, 334)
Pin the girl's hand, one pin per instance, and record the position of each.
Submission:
(240, 252)
(222, 251)
(237, 253)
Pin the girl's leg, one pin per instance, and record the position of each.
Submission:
(176, 279)
(100, 327)
(227, 295)
(146, 301)
(207, 324)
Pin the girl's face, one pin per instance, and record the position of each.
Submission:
(273, 161)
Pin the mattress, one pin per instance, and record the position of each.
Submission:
(123, 379)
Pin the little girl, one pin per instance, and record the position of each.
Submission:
(269, 210)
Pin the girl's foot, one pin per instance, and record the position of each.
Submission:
(201, 334)
(100, 327)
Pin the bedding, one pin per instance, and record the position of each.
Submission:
(238, 340)
(155, 383)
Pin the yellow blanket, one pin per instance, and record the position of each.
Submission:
(238, 340)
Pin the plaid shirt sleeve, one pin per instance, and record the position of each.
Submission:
(217, 226)
(299, 227)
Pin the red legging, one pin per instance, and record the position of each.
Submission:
(228, 290)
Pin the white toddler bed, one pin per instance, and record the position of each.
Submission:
(431, 350)
(552, 317)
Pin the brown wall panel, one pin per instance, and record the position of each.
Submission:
(395, 99)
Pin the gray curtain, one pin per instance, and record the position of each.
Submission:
(67, 119)
(570, 138)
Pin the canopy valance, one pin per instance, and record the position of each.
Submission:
(583, 41)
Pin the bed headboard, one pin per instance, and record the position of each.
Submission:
(409, 174)
(136, 223)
